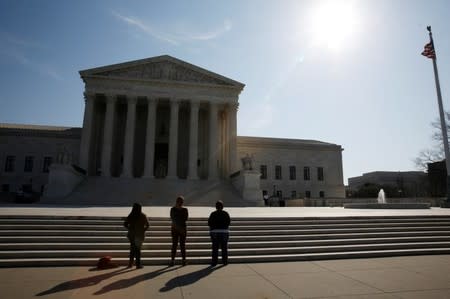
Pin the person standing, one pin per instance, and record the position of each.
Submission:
(136, 223)
(218, 223)
(179, 216)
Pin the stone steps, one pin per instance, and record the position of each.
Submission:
(81, 253)
(237, 230)
(249, 233)
(119, 191)
(150, 245)
(52, 262)
(65, 241)
(236, 239)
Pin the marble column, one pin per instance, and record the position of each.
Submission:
(232, 123)
(108, 135)
(150, 138)
(127, 170)
(86, 136)
(193, 141)
(213, 142)
(224, 143)
(173, 139)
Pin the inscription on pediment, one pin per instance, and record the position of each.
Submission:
(164, 71)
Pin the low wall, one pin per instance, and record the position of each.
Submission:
(339, 202)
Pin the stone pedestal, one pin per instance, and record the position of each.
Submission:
(62, 179)
(247, 182)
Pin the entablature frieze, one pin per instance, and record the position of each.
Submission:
(125, 87)
(203, 99)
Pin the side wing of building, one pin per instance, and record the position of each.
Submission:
(295, 168)
(27, 151)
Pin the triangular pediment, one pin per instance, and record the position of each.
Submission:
(161, 68)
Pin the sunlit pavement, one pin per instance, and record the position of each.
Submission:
(396, 277)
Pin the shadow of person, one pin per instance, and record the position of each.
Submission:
(188, 278)
(82, 282)
(128, 282)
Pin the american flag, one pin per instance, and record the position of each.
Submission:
(428, 51)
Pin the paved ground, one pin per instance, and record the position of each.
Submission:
(397, 277)
(17, 209)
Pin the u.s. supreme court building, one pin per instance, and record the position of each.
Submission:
(158, 127)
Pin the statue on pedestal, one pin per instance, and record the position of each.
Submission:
(247, 162)
(64, 156)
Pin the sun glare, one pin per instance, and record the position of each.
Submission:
(333, 23)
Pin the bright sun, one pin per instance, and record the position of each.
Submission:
(333, 23)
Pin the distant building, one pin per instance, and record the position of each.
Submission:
(394, 183)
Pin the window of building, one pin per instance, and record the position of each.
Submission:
(5, 188)
(321, 194)
(294, 194)
(306, 173)
(278, 172)
(307, 194)
(292, 173)
(47, 163)
(29, 161)
(320, 173)
(263, 169)
(279, 194)
(10, 163)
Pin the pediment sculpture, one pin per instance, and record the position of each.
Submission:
(164, 70)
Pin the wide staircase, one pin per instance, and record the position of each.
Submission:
(70, 241)
(104, 191)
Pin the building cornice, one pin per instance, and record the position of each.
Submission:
(286, 143)
(25, 130)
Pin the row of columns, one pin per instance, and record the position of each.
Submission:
(127, 171)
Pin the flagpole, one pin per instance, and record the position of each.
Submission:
(442, 117)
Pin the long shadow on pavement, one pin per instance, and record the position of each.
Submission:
(83, 282)
(188, 278)
(128, 282)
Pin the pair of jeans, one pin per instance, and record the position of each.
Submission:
(135, 251)
(179, 235)
(219, 239)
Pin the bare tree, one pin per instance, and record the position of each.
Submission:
(436, 153)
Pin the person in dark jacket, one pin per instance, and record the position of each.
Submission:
(179, 216)
(218, 223)
(136, 223)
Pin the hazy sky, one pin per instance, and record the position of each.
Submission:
(345, 72)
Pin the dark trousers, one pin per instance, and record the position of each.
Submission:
(219, 240)
(178, 235)
(135, 251)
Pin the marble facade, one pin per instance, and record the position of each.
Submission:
(159, 117)
(158, 127)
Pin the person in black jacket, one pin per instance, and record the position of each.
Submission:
(218, 223)
(179, 216)
(136, 223)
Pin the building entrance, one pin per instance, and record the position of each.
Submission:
(161, 160)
